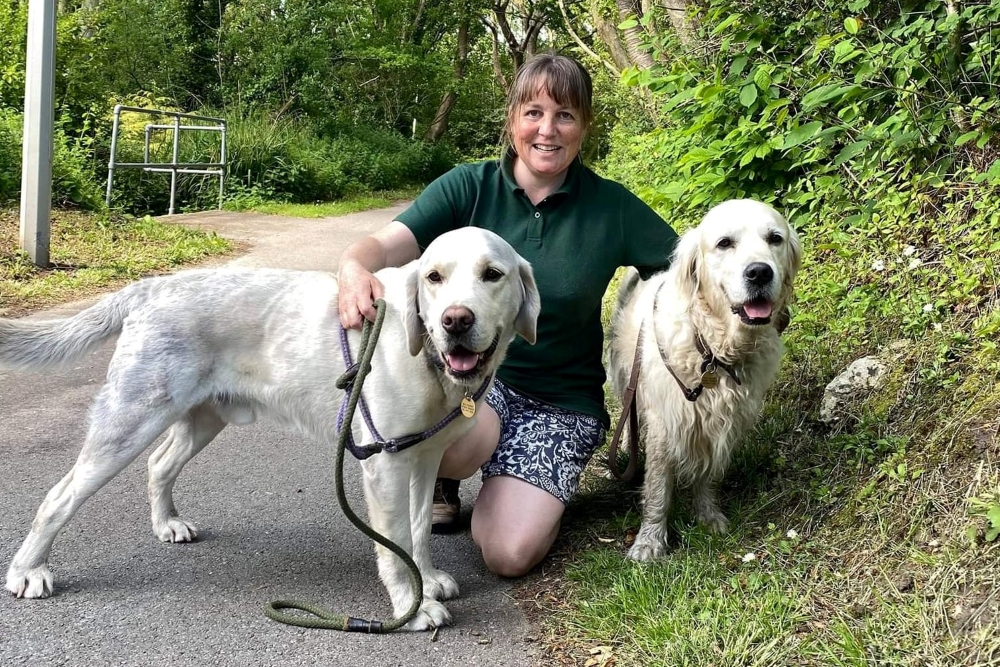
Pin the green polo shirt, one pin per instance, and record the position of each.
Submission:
(574, 239)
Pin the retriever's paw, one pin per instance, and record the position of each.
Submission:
(175, 529)
(646, 550)
(432, 614)
(33, 583)
(714, 522)
(439, 585)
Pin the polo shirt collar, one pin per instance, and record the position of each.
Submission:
(572, 174)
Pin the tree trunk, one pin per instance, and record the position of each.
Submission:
(440, 123)
(682, 24)
(633, 36)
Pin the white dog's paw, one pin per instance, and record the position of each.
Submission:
(175, 529)
(432, 614)
(439, 585)
(714, 521)
(649, 549)
(34, 583)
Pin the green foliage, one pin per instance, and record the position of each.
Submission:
(872, 128)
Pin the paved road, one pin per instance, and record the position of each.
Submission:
(270, 528)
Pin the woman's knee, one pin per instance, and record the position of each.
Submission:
(512, 557)
(464, 458)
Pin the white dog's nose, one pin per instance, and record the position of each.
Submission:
(758, 273)
(457, 320)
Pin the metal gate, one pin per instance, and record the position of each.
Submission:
(205, 124)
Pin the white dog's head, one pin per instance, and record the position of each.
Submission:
(741, 259)
(470, 294)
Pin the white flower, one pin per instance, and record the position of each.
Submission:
(749, 557)
(792, 534)
(878, 265)
(928, 308)
(937, 326)
(908, 250)
(914, 263)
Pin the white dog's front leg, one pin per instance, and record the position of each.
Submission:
(387, 491)
(651, 541)
(438, 584)
(706, 505)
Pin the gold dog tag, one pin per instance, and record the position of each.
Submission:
(468, 407)
(709, 379)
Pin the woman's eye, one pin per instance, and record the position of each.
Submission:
(492, 275)
(565, 115)
(434, 277)
(724, 242)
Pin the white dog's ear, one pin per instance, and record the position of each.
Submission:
(685, 261)
(526, 322)
(795, 248)
(413, 324)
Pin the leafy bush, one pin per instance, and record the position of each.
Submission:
(73, 180)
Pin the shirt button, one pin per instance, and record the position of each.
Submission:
(537, 214)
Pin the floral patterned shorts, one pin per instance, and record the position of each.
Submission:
(543, 445)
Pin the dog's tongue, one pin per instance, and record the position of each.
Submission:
(757, 309)
(462, 360)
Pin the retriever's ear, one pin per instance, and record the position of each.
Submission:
(526, 322)
(795, 250)
(413, 324)
(685, 261)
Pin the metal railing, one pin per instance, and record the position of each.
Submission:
(173, 167)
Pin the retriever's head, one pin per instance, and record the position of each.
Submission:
(741, 259)
(470, 294)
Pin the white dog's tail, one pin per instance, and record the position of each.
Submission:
(33, 344)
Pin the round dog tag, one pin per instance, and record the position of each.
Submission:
(468, 407)
(710, 380)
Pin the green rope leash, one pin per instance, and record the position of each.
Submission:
(322, 618)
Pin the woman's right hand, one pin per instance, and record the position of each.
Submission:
(358, 291)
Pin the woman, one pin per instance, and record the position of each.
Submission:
(545, 414)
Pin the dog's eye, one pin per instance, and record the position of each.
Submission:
(492, 275)
(724, 242)
(434, 277)
(774, 238)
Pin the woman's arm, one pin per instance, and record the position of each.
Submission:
(393, 245)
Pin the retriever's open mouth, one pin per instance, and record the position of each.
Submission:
(461, 362)
(755, 311)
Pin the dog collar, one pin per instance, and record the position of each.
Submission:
(392, 445)
(710, 364)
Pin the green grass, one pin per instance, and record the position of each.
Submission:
(91, 253)
(351, 204)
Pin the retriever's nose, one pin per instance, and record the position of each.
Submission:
(758, 273)
(457, 320)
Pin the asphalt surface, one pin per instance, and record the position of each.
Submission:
(269, 525)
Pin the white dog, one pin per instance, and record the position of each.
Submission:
(709, 353)
(203, 349)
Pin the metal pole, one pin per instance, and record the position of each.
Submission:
(173, 173)
(222, 170)
(36, 163)
(114, 149)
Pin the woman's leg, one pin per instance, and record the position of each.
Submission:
(514, 523)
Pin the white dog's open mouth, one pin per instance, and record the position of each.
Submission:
(461, 362)
(755, 311)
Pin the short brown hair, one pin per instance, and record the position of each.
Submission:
(562, 78)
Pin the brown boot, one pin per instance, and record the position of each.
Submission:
(447, 505)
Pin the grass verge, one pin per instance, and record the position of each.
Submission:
(91, 253)
(352, 204)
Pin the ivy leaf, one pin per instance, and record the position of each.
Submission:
(739, 64)
(851, 25)
(748, 94)
(628, 23)
(762, 78)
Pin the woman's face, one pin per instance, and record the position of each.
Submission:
(547, 135)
